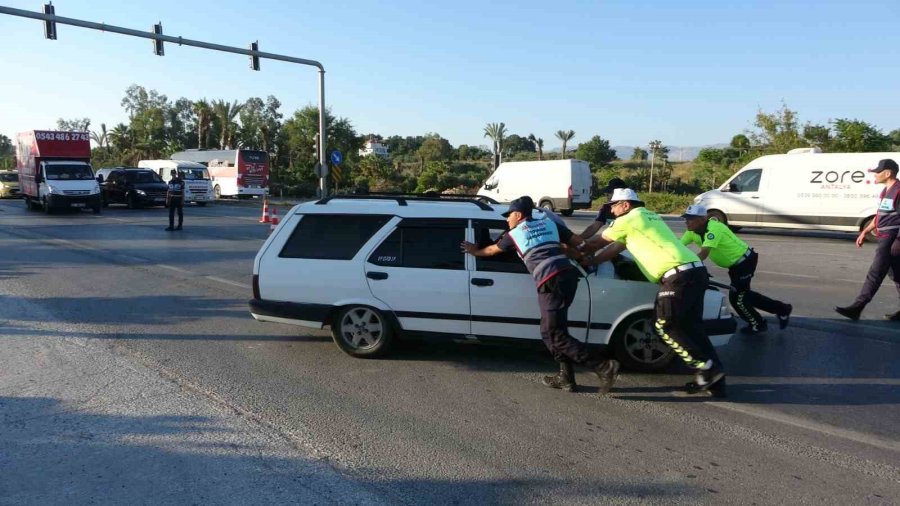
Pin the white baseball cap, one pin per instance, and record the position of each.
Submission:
(620, 194)
(695, 211)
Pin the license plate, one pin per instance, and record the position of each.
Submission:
(159, 200)
(78, 204)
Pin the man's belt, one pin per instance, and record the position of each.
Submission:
(745, 256)
(681, 268)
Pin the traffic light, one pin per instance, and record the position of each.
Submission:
(254, 60)
(50, 26)
(158, 44)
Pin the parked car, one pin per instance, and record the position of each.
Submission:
(9, 184)
(131, 186)
(373, 268)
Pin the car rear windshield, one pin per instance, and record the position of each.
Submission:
(331, 236)
(142, 176)
(64, 172)
(9, 178)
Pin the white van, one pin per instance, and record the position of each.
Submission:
(197, 183)
(800, 190)
(557, 185)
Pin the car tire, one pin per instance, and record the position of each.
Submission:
(567, 212)
(29, 204)
(547, 205)
(637, 346)
(96, 210)
(201, 204)
(104, 202)
(362, 331)
(719, 216)
(132, 202)
(46, 206)
(870, 237)
(217, 192)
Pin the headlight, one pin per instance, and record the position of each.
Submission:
(141, 192)
(95, 189)
(54, 190)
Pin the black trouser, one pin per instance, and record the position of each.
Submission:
(554, 298)
(882, 265)
(679, 316)
(173, 205)
(744, 300)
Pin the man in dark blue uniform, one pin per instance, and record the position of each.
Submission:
(538, 241)
(605, 215)
(175, 200)
(887, 253)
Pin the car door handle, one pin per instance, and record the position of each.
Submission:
(376, 275)
(482, 282)
(755, 197)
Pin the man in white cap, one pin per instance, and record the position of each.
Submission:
(726, 250)
(682, 278)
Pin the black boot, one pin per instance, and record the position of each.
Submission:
(564, 380)
(608, 372)
(852, 311)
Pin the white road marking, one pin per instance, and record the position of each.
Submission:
(176, 269)
(228, 282)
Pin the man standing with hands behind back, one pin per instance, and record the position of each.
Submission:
(887, 252)
(175, 200)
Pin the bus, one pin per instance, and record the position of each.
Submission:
(241, 173)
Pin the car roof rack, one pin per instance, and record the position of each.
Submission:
(403, 198)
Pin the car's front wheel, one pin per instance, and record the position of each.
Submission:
(362, 331)
(637, 345)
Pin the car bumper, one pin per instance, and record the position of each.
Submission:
(91, 201)
(7, 193)
(309, 315)
(720, 331)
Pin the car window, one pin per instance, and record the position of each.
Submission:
(423, 246)
(747, 181)
(487, 233)
(112, 177)
(331, 236)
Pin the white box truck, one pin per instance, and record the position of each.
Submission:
(557, 185)
(197, 183)
(800, 190)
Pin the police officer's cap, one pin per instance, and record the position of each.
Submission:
(695, 211)
(620, 194)
(886, 164)
(523, 205)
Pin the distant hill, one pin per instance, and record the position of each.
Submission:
(676, 153)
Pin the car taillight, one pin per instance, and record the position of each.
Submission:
(256, 287)
(570, 191)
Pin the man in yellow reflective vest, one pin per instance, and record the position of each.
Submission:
(726, 250)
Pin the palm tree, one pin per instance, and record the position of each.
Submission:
(204, 119)
(497, 132)
(120, 136)
(654, 147)
(565, 136)
(226, 114)
(538, 145)
(102, 138)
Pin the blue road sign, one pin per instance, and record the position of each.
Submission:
(336, 157)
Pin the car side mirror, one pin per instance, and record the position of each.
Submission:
(100, 178)
(727, 187)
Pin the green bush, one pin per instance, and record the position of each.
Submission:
(662, 203)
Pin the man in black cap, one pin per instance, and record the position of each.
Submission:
(887, 253)
(604, 215)
(538, 241)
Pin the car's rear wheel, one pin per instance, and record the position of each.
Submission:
(717, 215)
(870, 237)
(637, 345)
(362, 331)
(547, 205)
(217, 192)
(567, 212)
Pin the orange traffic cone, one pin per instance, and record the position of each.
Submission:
(265, 215)
(274, 219)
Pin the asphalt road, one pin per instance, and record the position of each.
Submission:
(812, 415)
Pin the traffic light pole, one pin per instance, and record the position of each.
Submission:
(52, 19)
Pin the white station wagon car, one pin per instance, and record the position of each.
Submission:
(375, 267)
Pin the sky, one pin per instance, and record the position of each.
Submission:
(689, 73)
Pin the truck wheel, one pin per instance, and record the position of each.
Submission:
(637, 345)
(547, 205)
(29, 204)
(362, 331)
(46, 205)
(217, 192)
(567, 212)
(870, 237)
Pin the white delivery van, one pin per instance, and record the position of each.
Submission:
(197, 183)
(800, 190)
(557, 185)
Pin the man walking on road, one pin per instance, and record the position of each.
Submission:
(539, 244)
(682, 279)
(726, 250)
(175, 200)
(887, 252)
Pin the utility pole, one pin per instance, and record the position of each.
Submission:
(50, 19)
(654, 145)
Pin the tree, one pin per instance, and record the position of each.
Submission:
(497, 133)
(655, 146)
(374, 173)
(7, 153)
(138, 99)
(565, 136)
(101, 137)
(225, 113)
(639, 155)
(596, 151)
(740, 142)
(818, 136)
(517, 144)
(538, 145)
(203, 113)
(435, 148)
(298, 134)
(73, 125)
(855, 136)
(778, 132)
(895, 139)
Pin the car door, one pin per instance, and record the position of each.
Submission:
(743, 197)
(419, 271)
(114, 186)
(503, 295)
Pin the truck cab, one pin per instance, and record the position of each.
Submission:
(55, 171)
(67, 185)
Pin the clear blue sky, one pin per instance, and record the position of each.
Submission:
(688, 72)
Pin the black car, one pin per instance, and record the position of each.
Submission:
(131, 186)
